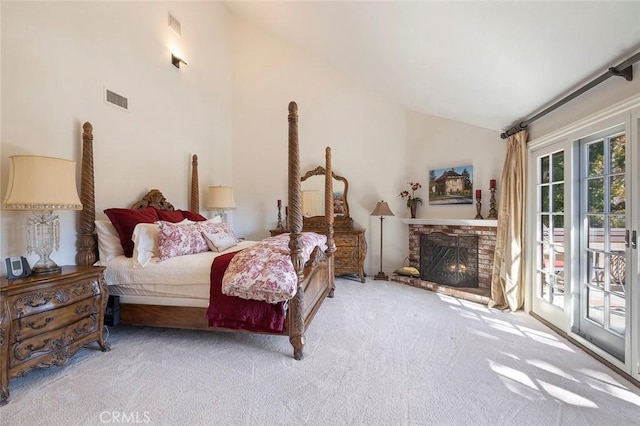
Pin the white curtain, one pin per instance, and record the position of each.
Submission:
(507, 281)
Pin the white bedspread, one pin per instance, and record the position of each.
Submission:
(174, 273)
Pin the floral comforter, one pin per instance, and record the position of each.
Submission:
(264, 271)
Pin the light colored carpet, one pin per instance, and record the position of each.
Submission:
(379, 353)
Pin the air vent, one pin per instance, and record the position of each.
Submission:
(174, 24)
(117, 100)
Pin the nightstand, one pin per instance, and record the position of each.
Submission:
(46, 318)
(275, 232)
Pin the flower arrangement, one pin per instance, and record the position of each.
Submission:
(411, 197)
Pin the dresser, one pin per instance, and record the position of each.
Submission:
(46, 318)
(351, 249)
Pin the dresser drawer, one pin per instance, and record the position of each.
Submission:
(50, 320)
(23, 305)
(52, 348)
(346, 240)
(345, 265)
(349, 252)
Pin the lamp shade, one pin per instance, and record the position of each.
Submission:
(382, 209)
(220, 198)
(41, 183)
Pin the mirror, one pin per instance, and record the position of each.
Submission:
(313, 199)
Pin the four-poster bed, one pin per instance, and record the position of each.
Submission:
(315, 276)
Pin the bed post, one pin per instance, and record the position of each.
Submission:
(87, 241)
(329, 214)
(296, 305)
(194, 203)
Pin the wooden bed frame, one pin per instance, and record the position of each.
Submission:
(315, 278)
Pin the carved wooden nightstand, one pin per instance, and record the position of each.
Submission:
(45, 319)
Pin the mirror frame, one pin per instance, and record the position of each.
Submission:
(341, 220)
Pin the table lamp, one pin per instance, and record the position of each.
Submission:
(42, 185)
(220, 199)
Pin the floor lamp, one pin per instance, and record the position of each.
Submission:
(382, 209)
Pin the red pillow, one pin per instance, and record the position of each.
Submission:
(125, 220)
(196, 217)
(174, 216)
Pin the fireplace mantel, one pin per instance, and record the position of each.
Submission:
(452, 222)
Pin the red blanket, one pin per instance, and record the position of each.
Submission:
(240, 314)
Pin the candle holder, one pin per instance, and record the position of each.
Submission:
(279, 225)
(478, 209)
(493, 213)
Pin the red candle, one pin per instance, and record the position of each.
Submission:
(478, 194)
(279, 203)
(492, 184)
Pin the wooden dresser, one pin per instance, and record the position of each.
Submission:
(45, 319)
(351, 248)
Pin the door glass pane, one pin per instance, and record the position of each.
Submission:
(595, 195)
(557, 198)
(616, 188)
(595, 231)
(558, 166)
(544, 199)
(544, 169)
(544, 227)
(617, 314)
(616, 147)
(617, 272)
(595, 269)
(596, 158)
(558, 228)
(595, 301)
(558, 291)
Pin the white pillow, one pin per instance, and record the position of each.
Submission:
(145, 243)
(109, 245)
(219, 241)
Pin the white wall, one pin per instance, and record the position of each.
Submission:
(611, 91)
(57, 57)
(228, 105)
(376, 145)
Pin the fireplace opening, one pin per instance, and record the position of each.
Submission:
(449, 259)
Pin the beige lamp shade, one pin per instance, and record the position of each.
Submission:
(382, 209)
(41, 183)
(220, 198)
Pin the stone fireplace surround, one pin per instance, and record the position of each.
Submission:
(486, 230)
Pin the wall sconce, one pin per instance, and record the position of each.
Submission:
(220, 199)
(42, 185)
(176, 61)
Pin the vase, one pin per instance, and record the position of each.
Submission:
(414, 208)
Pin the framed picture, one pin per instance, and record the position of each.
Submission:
(452, 185)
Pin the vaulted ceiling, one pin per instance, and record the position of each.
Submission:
(483, 63)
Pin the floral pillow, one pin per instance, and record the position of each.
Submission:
(181, 239)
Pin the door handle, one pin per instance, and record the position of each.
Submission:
(633, 240)
(626, 238)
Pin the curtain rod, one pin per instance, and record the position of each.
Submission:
(623, 69)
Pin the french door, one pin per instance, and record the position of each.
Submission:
(552, 246)
(605, 241)
(583, 223)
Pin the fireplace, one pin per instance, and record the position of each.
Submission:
(449, 259)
